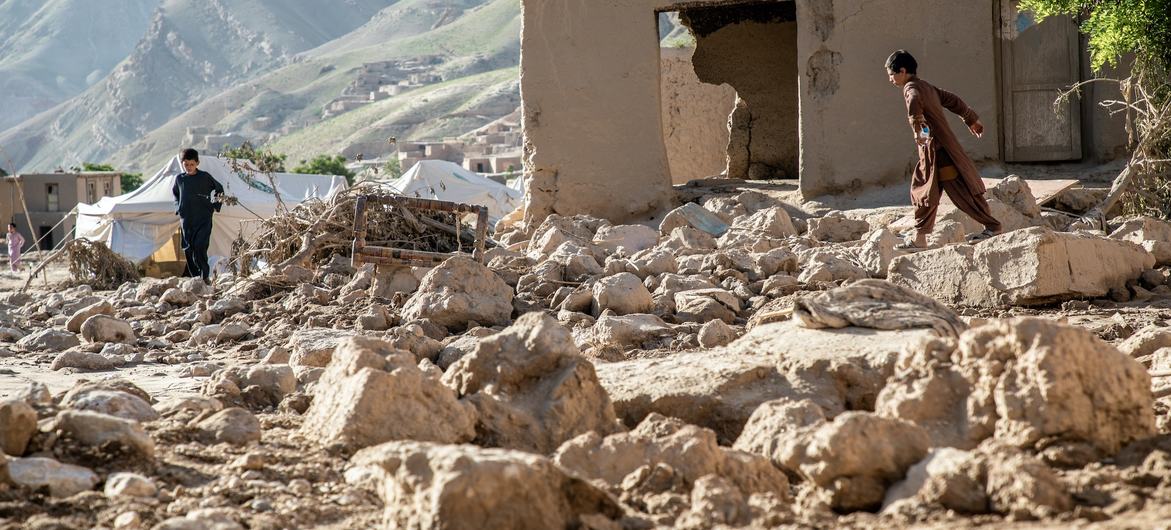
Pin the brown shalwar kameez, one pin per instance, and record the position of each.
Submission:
(943, 164)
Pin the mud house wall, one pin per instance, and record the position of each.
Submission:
(695, 119)
(853, 121)
(592, 113)
(759, 59)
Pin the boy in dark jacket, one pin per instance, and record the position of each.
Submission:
(197, 196)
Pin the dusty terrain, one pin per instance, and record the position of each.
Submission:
(746, 362)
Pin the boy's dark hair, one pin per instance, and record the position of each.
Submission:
(13, 225)
(190, 154)
(902, 59)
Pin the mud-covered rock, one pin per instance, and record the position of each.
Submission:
(372, 393)
(18, 422)
(458, 487)
(1024, 267)
(460, 291)
(95, 429)
(531, 387)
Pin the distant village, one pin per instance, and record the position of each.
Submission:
(494, 149)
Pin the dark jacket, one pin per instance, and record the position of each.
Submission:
(193, 194)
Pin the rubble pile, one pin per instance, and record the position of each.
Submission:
(743, 364)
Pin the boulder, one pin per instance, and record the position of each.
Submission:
(129, 485)
(690, 451)
(372, 393)
(531, 387)
(458, 291)
(234, 426)
(1153, 234)
(389, 280)
(1029, 383)
(105, 328)
(459, 487)
(686, 240)
(85, 361)
(771, 222)
(829, 266)
(705, 388)
(631, 239)
(276, 380)
(948, 478)
(622, 333)
(877, 251)
(313, 348)
(835, 227)
(18, 422)
(1022, 487)
(856, 456)
(49, 339)
(692, 215)
(178, 297)
(1014, 192)
(1024, 267)
(115, 403)
(776, 423)
(622, 293)
(62, 480)
(79, 317)
(706, 305)
(715, 334)
(95, 429)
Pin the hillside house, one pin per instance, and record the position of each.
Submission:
(813, 100)
(50, 198)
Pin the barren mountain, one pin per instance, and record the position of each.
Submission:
(192, 50)
(51, 50)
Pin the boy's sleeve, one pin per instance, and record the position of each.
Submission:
(175, 192)
(953, 103)
(914, 102)
(219, 188)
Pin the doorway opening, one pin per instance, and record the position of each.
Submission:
(743, 116)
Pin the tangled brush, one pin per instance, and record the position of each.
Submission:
(93, 263)
(316, 230)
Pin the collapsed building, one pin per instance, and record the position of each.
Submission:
(813, 101)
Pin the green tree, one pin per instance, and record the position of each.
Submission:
(1118, 30)
(326, 165)
(130, 181)
(392, 169)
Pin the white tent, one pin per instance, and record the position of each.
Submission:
(447, 181)
(136, 224)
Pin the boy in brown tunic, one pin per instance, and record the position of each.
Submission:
(943, 164)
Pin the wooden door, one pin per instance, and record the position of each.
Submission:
(1038, 61)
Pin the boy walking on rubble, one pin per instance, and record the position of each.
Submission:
(197, 196)
(943, 165)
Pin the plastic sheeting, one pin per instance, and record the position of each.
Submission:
(447, 181)
(136, 224)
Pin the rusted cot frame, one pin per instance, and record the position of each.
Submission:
(396, 256)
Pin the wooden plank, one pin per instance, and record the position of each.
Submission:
(1043, 190)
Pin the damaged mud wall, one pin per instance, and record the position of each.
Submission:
(592, 117)
(854, 131)
(695, 119)
(753, 48)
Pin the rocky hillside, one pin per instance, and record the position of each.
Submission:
(191, 51)
(51, 50)
(478, 47)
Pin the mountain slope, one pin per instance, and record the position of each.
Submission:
(474, 37)
(51, 50)
(192, 49)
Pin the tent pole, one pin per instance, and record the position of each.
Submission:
(24, 204)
